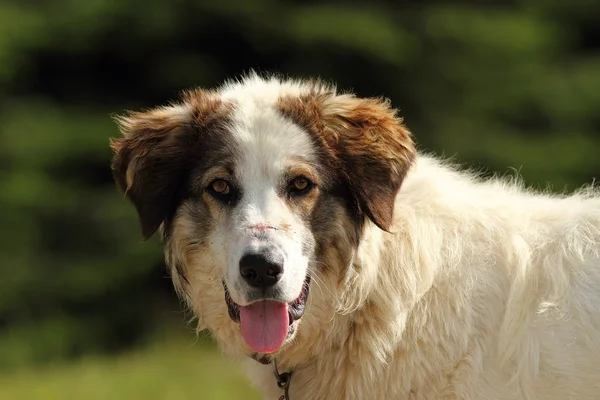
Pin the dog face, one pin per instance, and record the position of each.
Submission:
(255, 185)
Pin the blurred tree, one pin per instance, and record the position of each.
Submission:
(500, 84)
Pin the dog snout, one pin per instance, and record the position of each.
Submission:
(263, 268)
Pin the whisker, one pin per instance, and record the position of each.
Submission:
(326, 267)
(320, 282)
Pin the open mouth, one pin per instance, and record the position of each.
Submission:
(266, 324)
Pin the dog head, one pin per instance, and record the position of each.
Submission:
(253, 184)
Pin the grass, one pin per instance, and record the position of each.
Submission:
(167, 370)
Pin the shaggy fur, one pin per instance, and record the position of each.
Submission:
(427, 281)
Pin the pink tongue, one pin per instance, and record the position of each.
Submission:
(264, 325)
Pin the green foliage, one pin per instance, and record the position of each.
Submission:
(499, 86)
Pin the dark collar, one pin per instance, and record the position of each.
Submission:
(264, 359)
(283, 380)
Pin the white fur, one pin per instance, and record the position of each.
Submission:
(483, 290)
(265, 143)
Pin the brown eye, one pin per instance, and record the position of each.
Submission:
(220, 186)
(300, 185)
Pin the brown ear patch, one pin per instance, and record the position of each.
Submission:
(365, 139)
(154, 152)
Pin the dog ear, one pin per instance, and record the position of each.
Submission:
(375, 148)
(367, 141)
(158, 147)
(149, 161)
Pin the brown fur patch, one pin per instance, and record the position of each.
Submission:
(157, 148)
(364, 140)
(302, 205)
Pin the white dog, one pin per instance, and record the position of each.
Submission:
(425, 282)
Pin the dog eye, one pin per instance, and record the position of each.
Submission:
(300, 185)
(220, 187)
(223, 191)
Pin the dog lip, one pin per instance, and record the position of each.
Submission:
(298, 306)
(232, 308)
(295, 309)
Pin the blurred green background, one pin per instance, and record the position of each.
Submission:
(86, 308)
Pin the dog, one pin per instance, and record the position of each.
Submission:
(308, 235)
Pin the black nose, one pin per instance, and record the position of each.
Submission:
(262, 269)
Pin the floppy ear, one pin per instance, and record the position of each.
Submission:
(367, 140)
(149, 161)
(375, 148)
(157, 149)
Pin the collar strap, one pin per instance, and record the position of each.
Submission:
(264, 359)
(283, 380)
